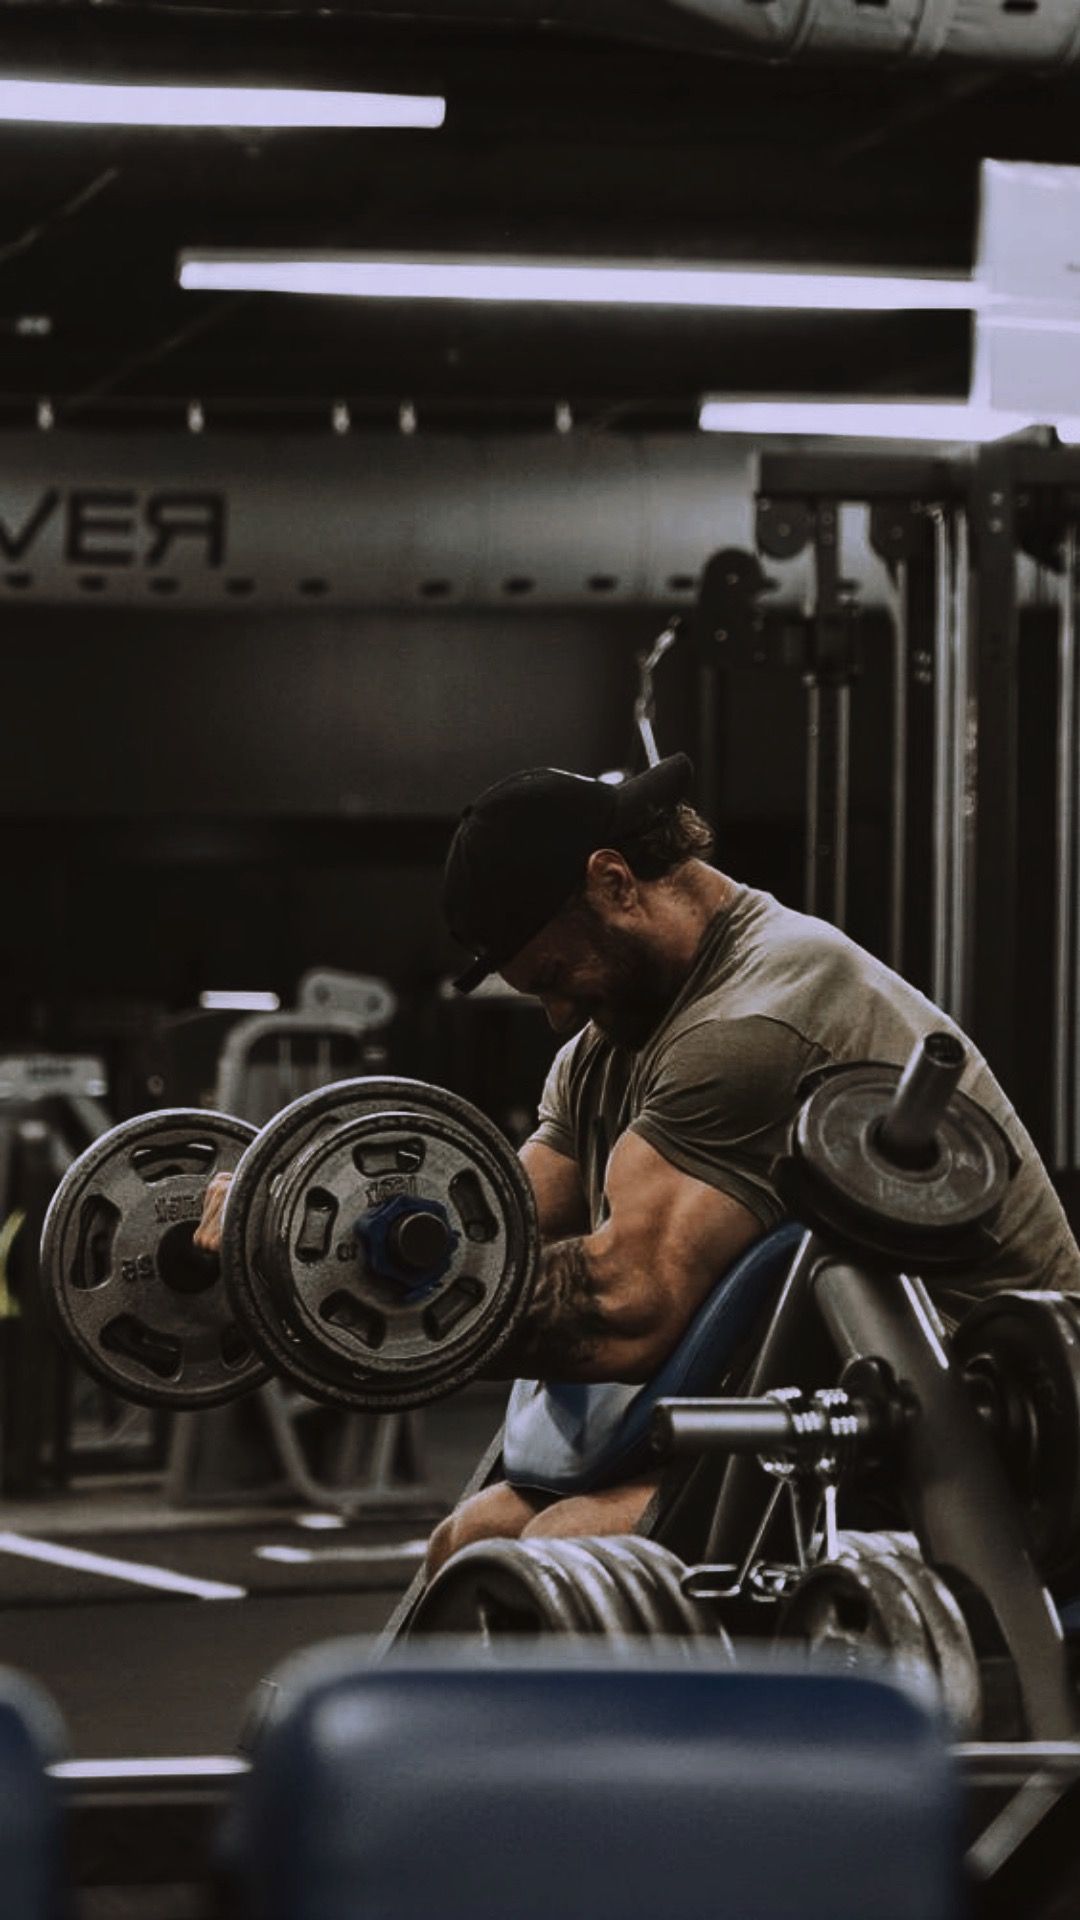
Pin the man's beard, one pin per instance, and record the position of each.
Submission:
(638, 991)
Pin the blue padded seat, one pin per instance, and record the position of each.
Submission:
(31, 1738)
(550, 1789)
(567, 1438)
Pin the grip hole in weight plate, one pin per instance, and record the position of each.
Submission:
(93, 1260)
(154, 1351)
(852, 1612)
(317, 1226)
(445, 1312)
(476, 1216)
(389, 1156)
(345, 1310)
(155, 1163)
(235, 1348)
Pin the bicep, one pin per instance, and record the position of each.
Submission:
(560, 1197)
(668, 1239)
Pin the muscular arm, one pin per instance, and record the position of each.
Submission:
(560, 1197)
(611, 1305)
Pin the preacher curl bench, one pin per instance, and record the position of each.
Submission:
(876, 1490)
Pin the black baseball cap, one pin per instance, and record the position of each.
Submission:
(520, 851)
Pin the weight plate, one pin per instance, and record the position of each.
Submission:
(648, 1569)
(955, 1655)
(1020, 1355)
(610, 1605)
(880, 1597)
(639, 1591)
(846, 1178)
(301, 1272)
(504, 1589)
(619, 1587)
(145, 1311)
(315, 1264)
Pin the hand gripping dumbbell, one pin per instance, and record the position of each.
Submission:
(378, 1243)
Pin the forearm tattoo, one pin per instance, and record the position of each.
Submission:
(562, 1328)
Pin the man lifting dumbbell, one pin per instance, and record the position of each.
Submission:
(696, 1007)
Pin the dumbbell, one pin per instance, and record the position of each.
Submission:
(378, 1243)
(379, 1238)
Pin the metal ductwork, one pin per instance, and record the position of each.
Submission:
(393, 522)
(383, 521)
(961, 33)
(992, 33)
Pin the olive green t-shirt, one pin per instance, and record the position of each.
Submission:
(772, 995)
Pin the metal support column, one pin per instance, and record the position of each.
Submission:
(829, 665)
(961, 960)
(901, 532)
(996, 629)
(1064, 1061)
(727, 626)
(830, 668)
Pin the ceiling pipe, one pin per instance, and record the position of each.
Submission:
(959, 33)
(986, 34)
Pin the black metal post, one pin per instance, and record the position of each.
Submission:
(828, 728)
(726, 626)
(709, 734)
(993, 531)
(901, 532)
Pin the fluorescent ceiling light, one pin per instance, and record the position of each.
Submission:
(867, 419)
(366, 277)
(170, 1767)
(71, 103)
(219, 1000)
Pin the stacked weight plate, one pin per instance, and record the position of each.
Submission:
(624, 1588)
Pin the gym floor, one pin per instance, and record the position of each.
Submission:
(151, 1626)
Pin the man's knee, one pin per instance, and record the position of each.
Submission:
(498, 1512)
(613, 1510)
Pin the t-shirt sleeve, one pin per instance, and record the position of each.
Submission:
(720, 1101)
(554, 1127)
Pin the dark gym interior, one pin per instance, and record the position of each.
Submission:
(286, 582)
